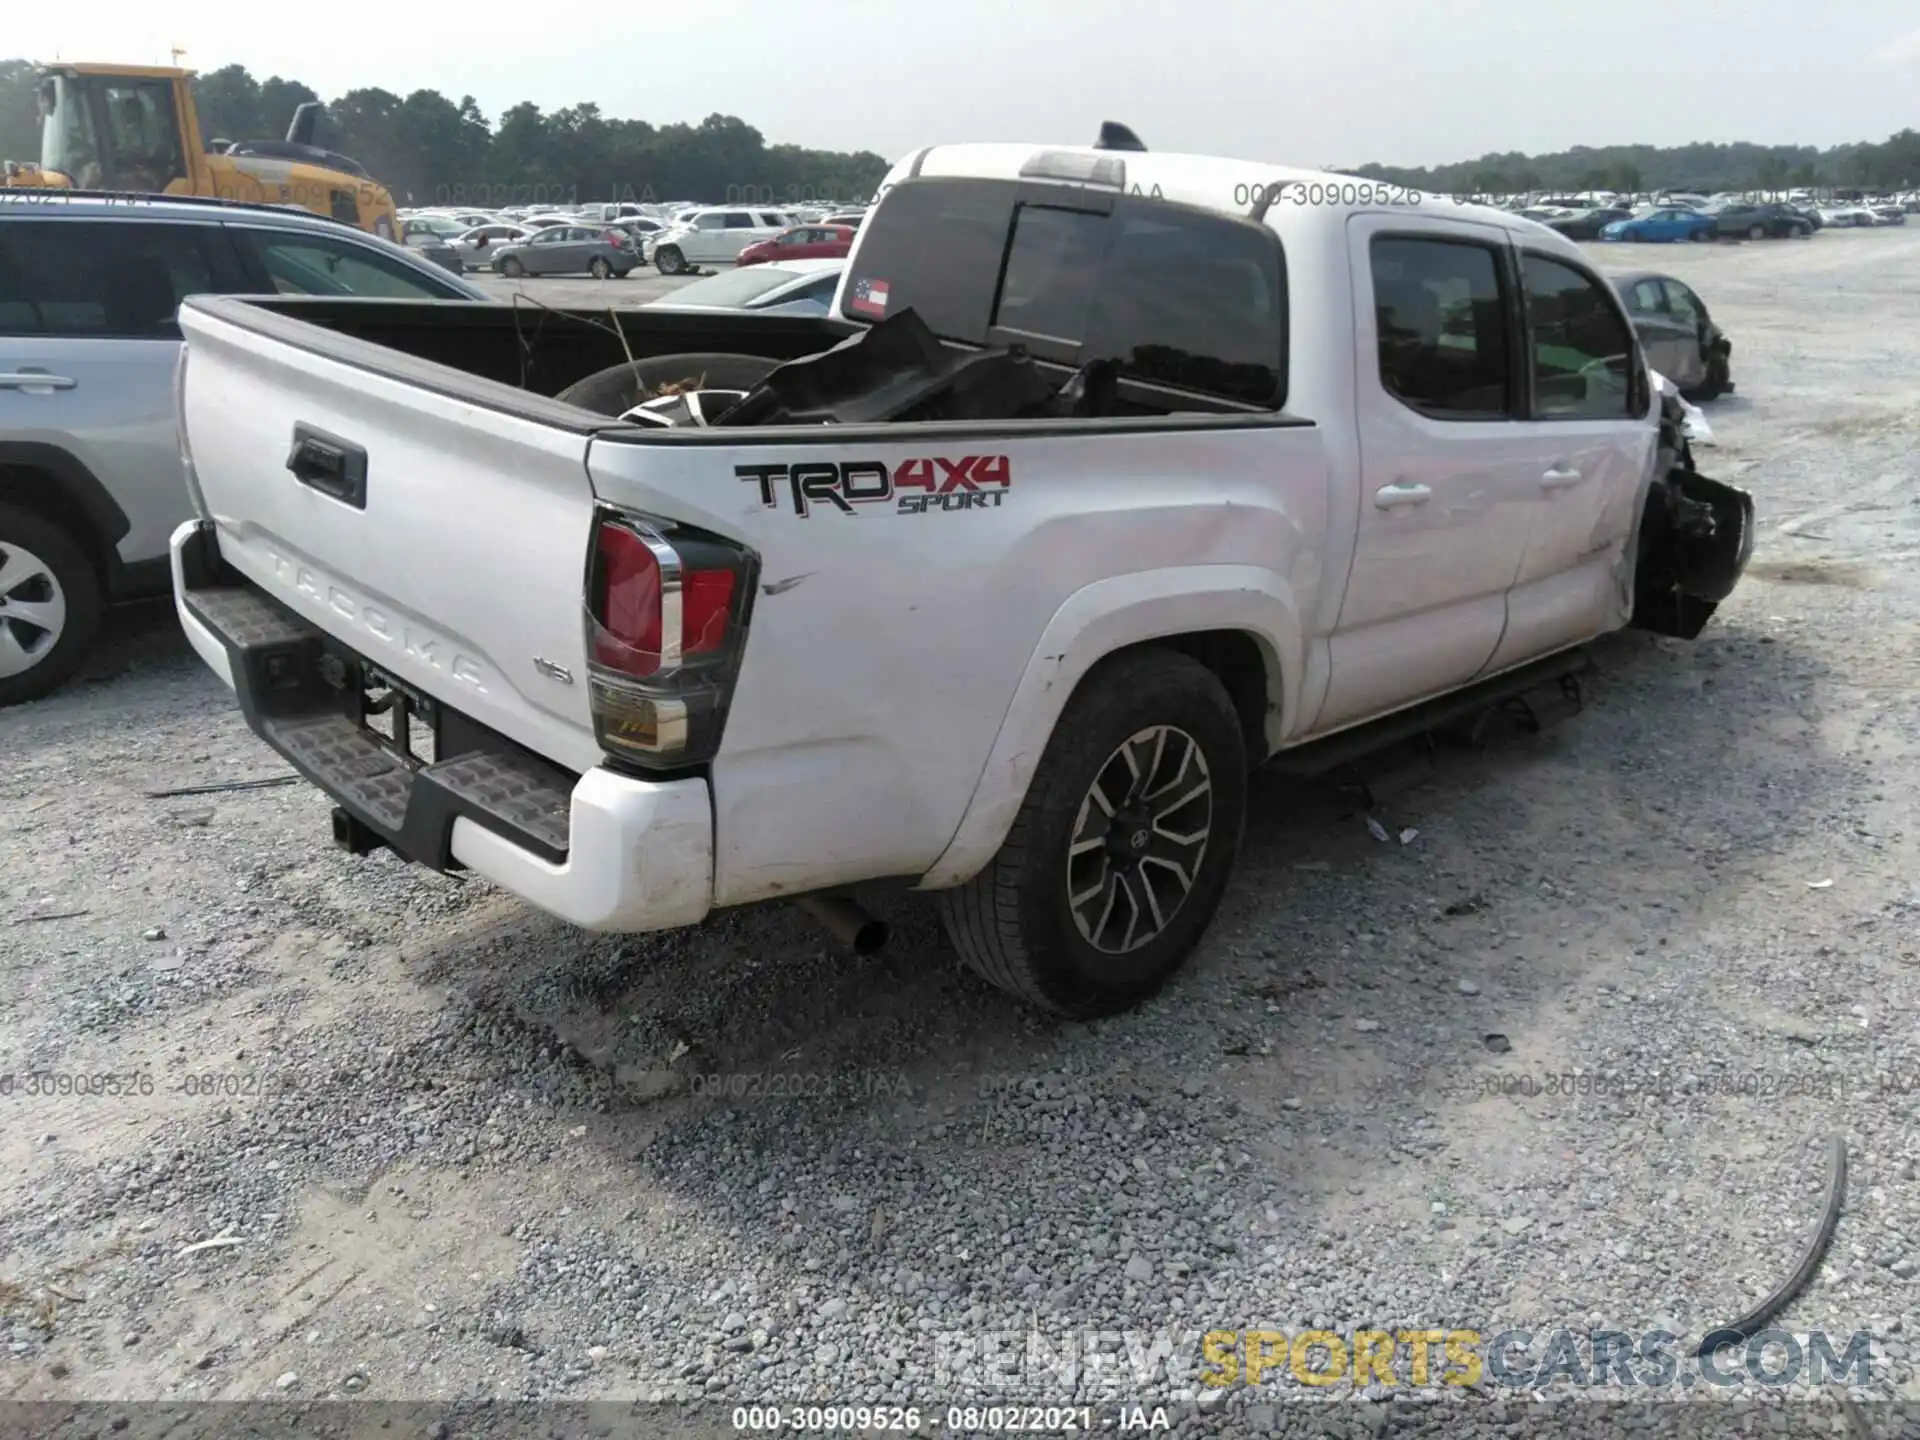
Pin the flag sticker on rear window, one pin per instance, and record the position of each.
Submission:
(869, 297)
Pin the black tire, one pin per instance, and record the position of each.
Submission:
(1756, 232)
(619, 388)
(1013, 923)
(44, 566)
(1702, 237)
(669, 260)
(512, 268)
(599, 268)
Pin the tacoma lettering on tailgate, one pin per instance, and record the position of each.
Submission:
(930, 484)
(369, 619)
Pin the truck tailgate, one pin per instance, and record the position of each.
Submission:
(442, 539)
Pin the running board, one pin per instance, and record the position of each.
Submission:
(1533, 696)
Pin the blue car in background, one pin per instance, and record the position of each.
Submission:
(1660, 226)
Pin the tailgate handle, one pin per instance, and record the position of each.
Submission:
(330, 465)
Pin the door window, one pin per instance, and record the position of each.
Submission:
(1581, 350)
(1646, 298)
(113, 279)
(298, 264)
(771, 222)
(1683, 302)
(713, 220)
(739, 220)
(1441, 317)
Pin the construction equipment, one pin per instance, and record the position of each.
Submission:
(134, 129)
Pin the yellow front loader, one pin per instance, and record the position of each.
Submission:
(133, 129)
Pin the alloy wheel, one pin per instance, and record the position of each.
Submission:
(33, 610)
(1139, 839)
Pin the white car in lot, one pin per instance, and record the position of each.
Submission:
(714, 236)
(780, 287)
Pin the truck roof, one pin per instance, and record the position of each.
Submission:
(138, 72)
(1212, 182)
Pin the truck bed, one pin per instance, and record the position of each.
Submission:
(919, 582)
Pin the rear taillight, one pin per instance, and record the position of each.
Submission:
(667, 610)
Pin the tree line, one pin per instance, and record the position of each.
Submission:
(1894, 164)
(430, 150)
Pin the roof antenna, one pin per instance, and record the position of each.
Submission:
(1115, 136)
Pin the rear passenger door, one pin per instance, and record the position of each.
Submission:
(1590, 443)
(1448, 477)
(88, 344)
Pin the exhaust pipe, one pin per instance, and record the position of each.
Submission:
(847, 922)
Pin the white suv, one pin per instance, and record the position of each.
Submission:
(716, 236)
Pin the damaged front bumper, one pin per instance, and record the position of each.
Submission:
(1696, 537)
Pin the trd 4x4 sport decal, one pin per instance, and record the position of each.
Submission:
(929, 485)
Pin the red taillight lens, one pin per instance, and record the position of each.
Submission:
(666, 615)
(706, 600)
(628, 636)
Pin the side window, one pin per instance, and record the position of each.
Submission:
(122, 280)
(299, 264)
(1582, 352)
(712, 220)
(739, 220)
(1646, 298)
(1442, 326)
(1681, 301)
(1053, 266)
(344, 205)
(772, 222)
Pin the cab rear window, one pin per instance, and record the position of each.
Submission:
(1177, 297)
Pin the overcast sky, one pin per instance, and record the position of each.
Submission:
(1289, 81)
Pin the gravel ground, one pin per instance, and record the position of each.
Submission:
(455, 1150)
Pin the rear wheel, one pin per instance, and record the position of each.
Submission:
(1121, 851)
(619, 388)
(512, 268)
(1756, 232)
(50, 606)
(1701, 237)
(599, 268)
(669, 260)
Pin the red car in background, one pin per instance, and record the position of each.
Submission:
(803, 242)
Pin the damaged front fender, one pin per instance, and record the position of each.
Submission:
(1696, 537)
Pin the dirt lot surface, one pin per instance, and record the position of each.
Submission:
(1568, 1057)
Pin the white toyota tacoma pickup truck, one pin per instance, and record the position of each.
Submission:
(1113, 475)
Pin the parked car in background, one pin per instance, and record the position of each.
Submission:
(416, 230)
(855, 218)
(477, 247)
(1663, 226)
(777, 287)
(1889, 213)
(88, 347)
(714, 237)
(1843, 216)
(1759, 222)
(803, 242)
(595, 250)
(1679, 336)
(1587, 224)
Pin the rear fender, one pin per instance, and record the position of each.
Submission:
(1096, 621)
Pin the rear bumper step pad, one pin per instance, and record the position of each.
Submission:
(308, 711)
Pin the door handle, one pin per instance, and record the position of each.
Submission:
(31, 379)
(330, 465)
(1394, 497)
(1559, 478)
